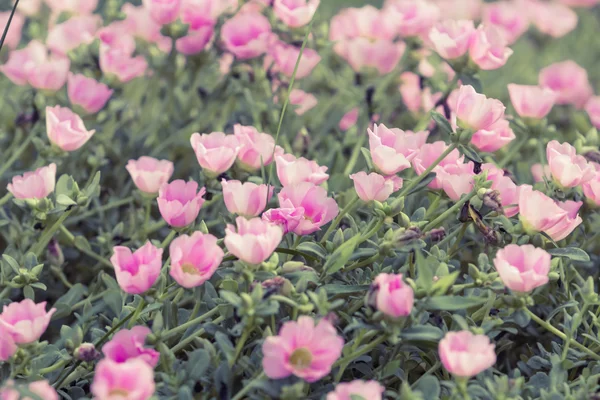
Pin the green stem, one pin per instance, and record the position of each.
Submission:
(147, 216)
(240, 346)
(419, 178)
(168, 239)
(137, 312)
(15, 156)
(6, 291)
(85, 251)
(5, 199)
(52, 368)
(512, 152)
(345, 361)
(349, 207)
(183, 327)
(449, 211)
(248, 386)
(105, 207)
(373, 231)
(433, 207)
(43, 241)
(363, 263)
(355, 153)
(182, 345)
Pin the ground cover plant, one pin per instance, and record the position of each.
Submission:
(294, 199)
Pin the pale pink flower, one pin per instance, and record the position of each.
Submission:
(465, 355)
(303, 100)
(195, 41)
(149, 174)
(569, 81)
(131, 380)
(50, 75)
(163, 11)
(25, 321)
(451, 39)
(246, 199)
(87, 93)
(393, 297)
(580, 3)
(178, 202)
(253, 5)
(567, 167)
(382, 55)
(43, 389)
(522, 268)
(295, 13)
(65, 129)
(139, 24)
(137, 271)
(551, 18)
(285, 56)
(118, 62)
(592, 108)
(495, 137)
(531, 101)
(34, 185)
(349, 119)
(318, 208)
(292, 170)
(475, 111)
(414, 17)
(76, 7)
(254, 240)
(428, 153)
(371, 390)
(287, 216)
(247, 35)
(194, 259)
(372, 186)
(8, 347)
(128, 344)
(591, 190)
(508, 17)
(72, 33)
(13, 36)
(460, 10)
(19, 62)
(488, 48)
(540, 172)
(509, 191)
(256, 149)
(216, 152)
(28, 7)
(198, 13)
(414, 98)
(456, 179)
(302, 349)
(393, 149)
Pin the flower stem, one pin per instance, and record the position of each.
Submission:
(5, 198)
(449, 211)
(168, 239)
(85, 251)
(105, 207)
(345, 361)
(182, 345)
(183, 327)
(48, 233)
(248, 386)
(15, 156)
(513, 152)
(422, 176)
(349, 207)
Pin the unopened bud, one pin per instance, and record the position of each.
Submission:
(493, 201)
(55, 254)
(86, 352)
(277, 285)
(437, 235)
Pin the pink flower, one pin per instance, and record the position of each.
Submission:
(488, 48)
(292, 170)
(456, 179)
(139, 24)
(87, 93)
(287, 216)
(302, 349)
(414, 17)
(118, 61)
(195, 41)
(247, 35)
(8, 347)
(178, 202)
(372, 186)
(495, 137)
(132, 380)
(415, 98)
(540, 172)
(371, 390)
(72, 33)
(569, 81)
(245, 199)
(539, 213)
(318, 208)
(295, 13)
(40, 388)
(254, 241)
(34, 185)
(72, 6)
(13, 36)
(216, 152)
(393, 297)
(508, 18)
(551, 18)
(465, 355)
(592, 108)
(128, 344)
(393, 149)
(136, 272)
(451, 39)
(382, 55)
(580, 3)
(285, 56)
(591, 190)
(28, 7)
(149, 174)
(475, 111)
(568, 169)
(163, 11)
(65, 129)
(256, 149)
(304, 101)
(25, 321)
(460, 10)
(509, 191)
(349, 119)
(19, 62)
(522, 268)
(428, 153)
(194, 259)
(197, 13)
(531, 101)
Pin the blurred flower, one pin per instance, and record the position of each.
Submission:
(216, 152)
(580, 3)
(149, 174)
(76, 7)
(393, 149)
(318, 208)
(247, 35)
(287, 216)
(136, 272)
(285, 57)
(413, 17)
(550, 18)
(87, 93)
(72, 33)
(430, 152)
(195, 41)
(119, 62)
(540, 171)
(178, 202)
(65, 129)
(256, 149)
(28, 7)
(591, 190)
(567, 167)
(305, 101)
(295, 13)
(509, 191)
(465, 355)
(34, 185)
(531, 101)
(451, 39)
(475, 111)
(495, 137)
(508, 17)
(460, 10)
(392, 296)
(42, 389)
(254, 240)
(163, 11)
(569, 81)
(415, 98)
(349, 119)
(371, 390)
(139, 24)
(194, 259)
(132, 379)
(592, 108)
(456, 179)
(87, 351)
(13, 36)
(372, 186)
(128, 344)
(488, 48)
(246, 199)
(522, 268)
(25, 321)
(302, 349)
(292, 170)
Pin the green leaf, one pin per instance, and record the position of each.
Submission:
(442, 123)
(367, 155)
(231, 298)
(422, 333)
(65, 200)
(313, 249)
(334, 289)
(28, 292)
(453, 303)
(445, 282)
(341, 255)
(472, 80)
(426, 181)
(429, 386)
(12, 263)
(198, 363)
(425, 269)
(470, 153)
(572, 253)
(224, 344)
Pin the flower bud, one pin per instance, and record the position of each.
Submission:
(86, 352)
(55, 254)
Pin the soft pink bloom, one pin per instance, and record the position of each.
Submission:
(567, 167)
(13, 36)
(303, 100)
(87, 93)
(246, 199)
(216, 152)
(569, 81)
(508, 17)
(531, 101)
(295, 13)
(522, 268)
(118, 61)
(475, 111)
(65, 129)
(285, 57)
(128, 344)
(247, 35)
(292, 170)
(34, 185)
(456, 179)
(551, 18)
(8, 347)
(195, 41)
(414, 98)
(393, 149)
(460, 10)
(380, 54)
(139, 24)
(488, 48)
(194, 259)
(591, 190)
(495, 137)
(465, 355)
(540, 172)
(428, 153)
(50, 75)
(72, 33)
(371, 390)
(225, 62)
(28, 7)
(540, 213)
(163, 11)
(254, 240)
(393, 297)
(509, 191)
(253, 5)
(131, 380)
(149, 174)
(16, 66)
(349, 119)
(137, 271)
(76, 7)
(287, 216)
(318, 208)
(198, 13)
(372, 186)
(25, 321)
(255, 149)
(414, 17)
(592, 108)
(178, 202)
(302, 349)
(451, 39)
(580, 3)
(40, 388)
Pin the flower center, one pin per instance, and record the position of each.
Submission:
(301, 358)
(189, 268)
(118, 392)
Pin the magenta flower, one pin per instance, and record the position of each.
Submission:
(285, 56)
(87, 93)
(522, 268)
(430, 152)
(255, 149)
(393, 149)
(40, 388)
(465, 355)
(292, 170)
(163, 11)
(393, 297)
(413, 17)
(287, 216)
(495, 137)
(136, 272)
(132, 379)
(488, 48)
(25, 321)
(451, 39)
(567, 167)
(128, 344)
(531, 101)
(372, 186)
(371, 390)
(65, 129)
(508, 18)
(149, 174)
(318, 208)
(34, 185)
(246, 199)
(179, 202)
(254, 240)
(569, 81)
(509, 191)
(302, 349)
(196, 40)
(216, 152)
(247, 35)
(475, 111)
(295, 13)
(194, 259)
(74, 32)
